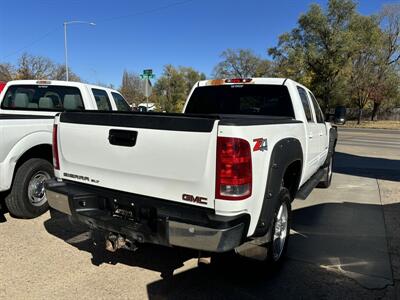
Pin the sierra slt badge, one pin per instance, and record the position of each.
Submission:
(80, 177)
(193, 199)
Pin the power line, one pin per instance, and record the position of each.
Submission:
(144, 12)
(32, 43)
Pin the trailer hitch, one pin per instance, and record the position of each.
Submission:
(117, 241)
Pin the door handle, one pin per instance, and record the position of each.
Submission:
(310, 136)
(124, 138)
(321, 133)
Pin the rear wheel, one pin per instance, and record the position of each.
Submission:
(273, 251)
(327, 179)
(27, 198)
(280, 229)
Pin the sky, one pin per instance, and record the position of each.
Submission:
(137, 35)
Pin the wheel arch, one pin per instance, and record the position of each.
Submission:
(333, 135)
(36, 145)
(43, 151)
(285, 169)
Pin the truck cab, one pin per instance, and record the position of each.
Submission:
(27, 111)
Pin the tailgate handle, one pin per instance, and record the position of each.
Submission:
(124, 138)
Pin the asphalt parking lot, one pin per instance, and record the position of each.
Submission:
(345, 244)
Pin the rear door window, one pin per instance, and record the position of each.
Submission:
(102, 101)
(120, 102)
(306, 103)
(318, 112)
(42, 98)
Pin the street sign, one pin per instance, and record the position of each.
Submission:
(148, 72)
(143, 76)
(147, 89)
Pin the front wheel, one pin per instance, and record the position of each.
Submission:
(27, 198)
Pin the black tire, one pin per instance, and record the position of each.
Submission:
(270, 262)
(274, 259)
(327, 179)
(18, 202)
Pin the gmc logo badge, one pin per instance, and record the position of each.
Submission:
(193, 199)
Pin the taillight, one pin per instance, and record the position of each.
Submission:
(56, 159)
(234, 175)
(2, 85)
(238, 80)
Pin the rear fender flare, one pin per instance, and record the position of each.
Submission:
(332, 145)
(284, 153)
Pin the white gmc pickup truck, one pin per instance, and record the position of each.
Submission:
(27, 110)
(220, 176)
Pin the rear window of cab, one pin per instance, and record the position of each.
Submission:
(43, 98)
(254, 99)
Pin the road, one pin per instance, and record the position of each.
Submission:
(345, 244)
(381, 142)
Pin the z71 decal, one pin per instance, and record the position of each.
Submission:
(260, 145)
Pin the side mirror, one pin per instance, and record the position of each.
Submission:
(329, 117)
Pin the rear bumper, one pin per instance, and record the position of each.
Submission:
(148, 220)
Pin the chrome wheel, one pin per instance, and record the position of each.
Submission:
(280, 232)
(36, 192)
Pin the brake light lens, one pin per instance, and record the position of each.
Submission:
(45, 82)
(234, 169)
(238, 80)
(2, 85)
(56, 159)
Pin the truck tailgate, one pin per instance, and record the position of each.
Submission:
(162, 156)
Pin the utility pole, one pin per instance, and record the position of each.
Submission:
(65, 42)
(66, 51)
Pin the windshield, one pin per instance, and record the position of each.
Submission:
(340, 110)
(268, 100)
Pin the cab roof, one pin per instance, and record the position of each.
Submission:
(254, 80)
(57, 82)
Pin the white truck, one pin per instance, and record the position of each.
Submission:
(220, 176)
(27, 111)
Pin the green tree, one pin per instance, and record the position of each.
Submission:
(170, 89)
(190, 76)
(34, 67)
(344, 57)
(131, 88)
(289, 59)
(365, 61)
(7, 72)
(241, 63)
(389, 56)
(59, 73)
(173, 87)
(318, 50)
